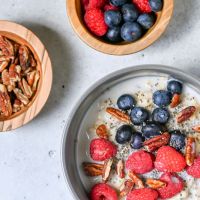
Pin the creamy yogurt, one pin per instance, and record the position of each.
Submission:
(142, 89)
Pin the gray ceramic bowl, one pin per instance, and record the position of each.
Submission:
(72, 129)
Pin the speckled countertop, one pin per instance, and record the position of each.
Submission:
(30, 161)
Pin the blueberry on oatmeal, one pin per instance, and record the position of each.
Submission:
(151, 129)
(175, 87)
(124, 134)
(160, 115)
(137, 140)
(125, 102)
(177, 139)
(139, 115)
(162, 98)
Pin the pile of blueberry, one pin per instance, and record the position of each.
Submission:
(152, 124)
(128, 23)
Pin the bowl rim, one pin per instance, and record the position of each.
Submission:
(21, 34)
(116, 49)
(65, 136)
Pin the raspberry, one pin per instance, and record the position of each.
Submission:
(102, 149)
(174, 185)
(140, 162)
(97, 3)
(108, 7)
(194, 170)
(143, 5)
(142, 194)
(103, 191)
(85, 4)
(169, 160)
(94, 19)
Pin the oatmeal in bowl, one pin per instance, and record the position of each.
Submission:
(139, 139)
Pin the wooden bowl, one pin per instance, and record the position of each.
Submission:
(24, 36)
(74, 10)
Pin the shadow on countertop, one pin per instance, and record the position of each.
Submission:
(60, 56)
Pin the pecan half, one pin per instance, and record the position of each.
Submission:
(5, 104)
(93, 169)
(118, 114)
(6, 46)
(176, 99)
(24, 99)
(36, 80)
(3, 65)
(138, 182)
(185, 114)
(24, 56)
(17, 106)
(107, 169)
(26, 88)
(102, 132)
(155, 184)
(120, 169)
(156, 142)
(14, 72)
(196, 128)
(31, 77)
(126, 187)
(190, 151)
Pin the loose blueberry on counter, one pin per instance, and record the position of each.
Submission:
(114, 34)
(162, 98)
(151, 129)
(125, 102)
(146, 20)
(139, 115)
(175, 86)
(137, 140)
(131, 31)
(118, 2)
(129, 12)
(112, 18)
(156, 5)
(124, 134)
(160, 115)
(177, 139)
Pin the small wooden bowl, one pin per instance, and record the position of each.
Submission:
(74, 10)
(24, 36)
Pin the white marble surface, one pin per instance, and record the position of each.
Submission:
(30, 161)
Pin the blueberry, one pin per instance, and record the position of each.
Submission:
(124, 134)
(162, 98)
(112, 18)
(156, 5)
(131, 31)
(114, 34)
(139, 115)
(118, 2)
(174, 86)
(129, 12)
(137, 141)
(146, 20)
(160, 115)
(125, 102)
(177, 139)
(151, 129)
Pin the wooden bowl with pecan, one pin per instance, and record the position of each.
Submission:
(25, 75)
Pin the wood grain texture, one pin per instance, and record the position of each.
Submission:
(22, 35)
(74, 12)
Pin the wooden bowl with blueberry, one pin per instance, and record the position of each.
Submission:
(119, 27)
